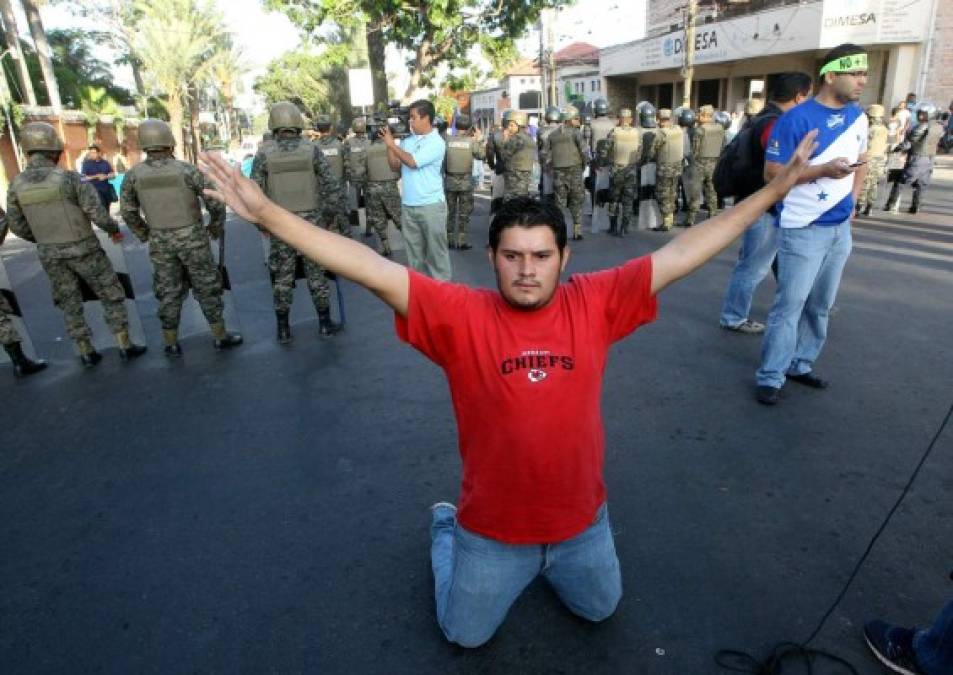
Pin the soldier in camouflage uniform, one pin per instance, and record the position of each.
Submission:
(921, 144)
(9, 338)
(53, 207)
(333, 150)
(167, 192)
(355, 164)
(382, 198)
(545, 162)
(567, 150)
(708, 141)
(876, 158)
(624, 148)
(462, 149)
(519, 153)
(668, 151)
(294, 174)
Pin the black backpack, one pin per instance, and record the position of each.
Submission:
(740, 169)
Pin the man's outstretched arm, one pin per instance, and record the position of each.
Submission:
(699, 244)
(357, 262)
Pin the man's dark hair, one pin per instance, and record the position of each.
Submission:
(528, 211)
(424, 108)
(93, 147)
(786, 86)
(840, 51)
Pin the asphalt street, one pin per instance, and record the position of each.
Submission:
(266, 510)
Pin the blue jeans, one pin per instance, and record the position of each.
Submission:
(934, 646)
(476, 579)
(759, 245)
(810, 262)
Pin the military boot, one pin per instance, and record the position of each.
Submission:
(128, 349)
(893, 201)
(284, 328)
(326, 327)
(915, 202)
(614, 225)
(22, 366)
(451, 241)
(384, 250)
(88, 356)
(577, 232)
(867, 210)
(462, 243)
(224, 339)
(170, 337)
(690, 218)
(667, 221)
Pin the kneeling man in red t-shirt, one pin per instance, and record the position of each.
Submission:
(533, 497)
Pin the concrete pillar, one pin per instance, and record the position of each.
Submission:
(901, 73)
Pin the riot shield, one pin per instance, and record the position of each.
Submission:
(649, 215)
(600, 211)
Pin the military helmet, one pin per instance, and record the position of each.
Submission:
(40, 136)
(155, 134)
(464, 123)
(600, 107)
(507, 116)
(519, 117)
(322, 122)
(875, 110)
(754, 105)
(928, 109)
(686, 117)
(706, 110)
(570, 112)
(723, 118)
(285, 115)
(646, 115)
(625, 113)
(359, 125)
(552, 114)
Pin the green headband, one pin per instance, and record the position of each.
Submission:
(846, 64)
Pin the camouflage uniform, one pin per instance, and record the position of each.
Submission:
(624, 180)
(8, 333)
(333, 150)
(876, 165)
(180, 256)
(708, 141)
(667, 172)
(355, 169)
(567, 150)
(517, 153)
(458, 188)
(282, 259)
(381, 197)
(67, 263)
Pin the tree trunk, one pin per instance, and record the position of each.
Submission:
(174, 106)
(195, 126)
(375, 59)
(11, 33)
(140, 86)
(43, 52)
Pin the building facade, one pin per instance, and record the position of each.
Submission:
(738, 47)
(520, 88)
(577, 74)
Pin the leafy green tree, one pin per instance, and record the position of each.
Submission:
(95, 102)
(76, 68)
(433, 32)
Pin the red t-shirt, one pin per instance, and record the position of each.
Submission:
(526, 389)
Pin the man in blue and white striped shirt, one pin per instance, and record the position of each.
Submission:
(814, 220)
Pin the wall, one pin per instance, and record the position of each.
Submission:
(938, 83)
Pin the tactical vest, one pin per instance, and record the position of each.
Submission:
(627, 142)
(877, 142)
(523, 160)
(562, 148)
(291, 179)
(378, 168)
(459, 156)
(673, 149)
(357, 157)
(601, 128)
(165, 199)
(927, 145)
(713, 140)
(52, 218)
(331, 149)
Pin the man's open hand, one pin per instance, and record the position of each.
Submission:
(232, 188)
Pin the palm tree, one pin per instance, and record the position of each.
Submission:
(95, 103)
(174, 41)
(32, 11)
(12, 35)
(226, 71)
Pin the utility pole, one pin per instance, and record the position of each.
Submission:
(688, 69)
(547, 20)
(543, 70)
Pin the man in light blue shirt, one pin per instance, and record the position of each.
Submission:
(423, 213)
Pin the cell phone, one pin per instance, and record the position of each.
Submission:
(856, 164)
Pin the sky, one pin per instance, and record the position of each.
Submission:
(264, 36)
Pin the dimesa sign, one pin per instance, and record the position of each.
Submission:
(703, 40)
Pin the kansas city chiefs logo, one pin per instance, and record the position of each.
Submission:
(536, 375)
